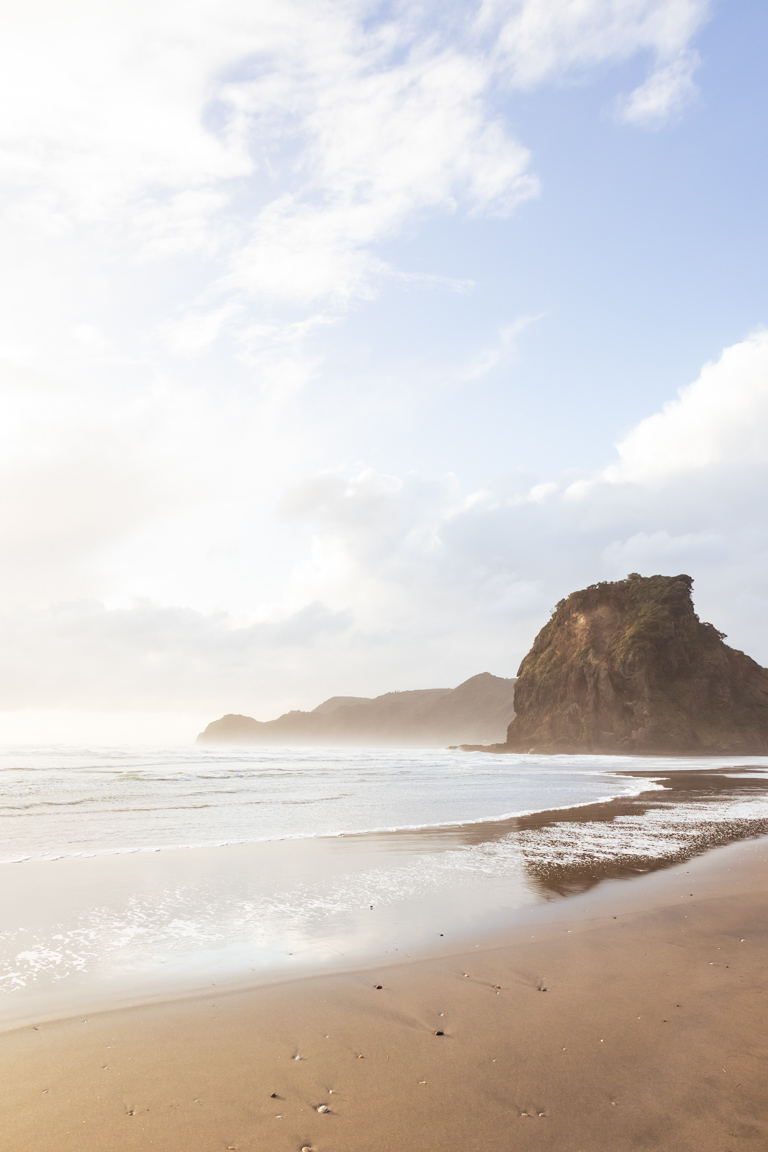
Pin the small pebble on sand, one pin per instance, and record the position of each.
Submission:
(322, 1108)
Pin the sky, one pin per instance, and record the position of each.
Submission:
(339, 341)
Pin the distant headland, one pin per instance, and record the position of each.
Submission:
(479, 710)
(628, 667)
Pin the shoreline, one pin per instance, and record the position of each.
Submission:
(104, 931)
(180, 785)
(535, 816)
(632, 1015)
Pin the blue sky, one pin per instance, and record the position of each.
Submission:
(644, 255)
(339, 341)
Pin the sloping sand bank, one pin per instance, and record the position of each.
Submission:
(636, 1018)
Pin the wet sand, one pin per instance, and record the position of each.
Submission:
(634, 1017)
(669, 789)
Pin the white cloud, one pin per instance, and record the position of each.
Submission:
(664, 94)
(101, 102)
(557, 39)
(356, 128)
(384, 141)
(719, 420)
(400, 582)
(157, 658)
(686, 493)
(652, 551)
(544, 39)
(491, 356)
(284, 142)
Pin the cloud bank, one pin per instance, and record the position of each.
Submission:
(400, 573)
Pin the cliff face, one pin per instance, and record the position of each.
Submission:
(479, 709)
(629, 667)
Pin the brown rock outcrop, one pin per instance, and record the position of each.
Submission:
(628, 667)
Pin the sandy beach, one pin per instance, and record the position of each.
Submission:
(633, 1016)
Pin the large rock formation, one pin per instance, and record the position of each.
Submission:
(629, 667)
(479, 709)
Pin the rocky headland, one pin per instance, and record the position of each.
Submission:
(478, 710)
(628, 667)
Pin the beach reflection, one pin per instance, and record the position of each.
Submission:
(684, 813)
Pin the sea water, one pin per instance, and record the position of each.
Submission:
(129, 873)
(69, 801)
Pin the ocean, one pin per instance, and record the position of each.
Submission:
(72, 801)
(131, 873)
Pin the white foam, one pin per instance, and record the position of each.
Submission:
(57, 802)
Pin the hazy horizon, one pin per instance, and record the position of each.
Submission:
(340, 342)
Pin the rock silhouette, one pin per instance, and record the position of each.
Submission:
(479, 709)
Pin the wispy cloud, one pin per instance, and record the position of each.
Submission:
(491, 356)
(285, 143)
(551, 40)
(666, 92)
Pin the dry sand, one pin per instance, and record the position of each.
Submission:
(634, 1019)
